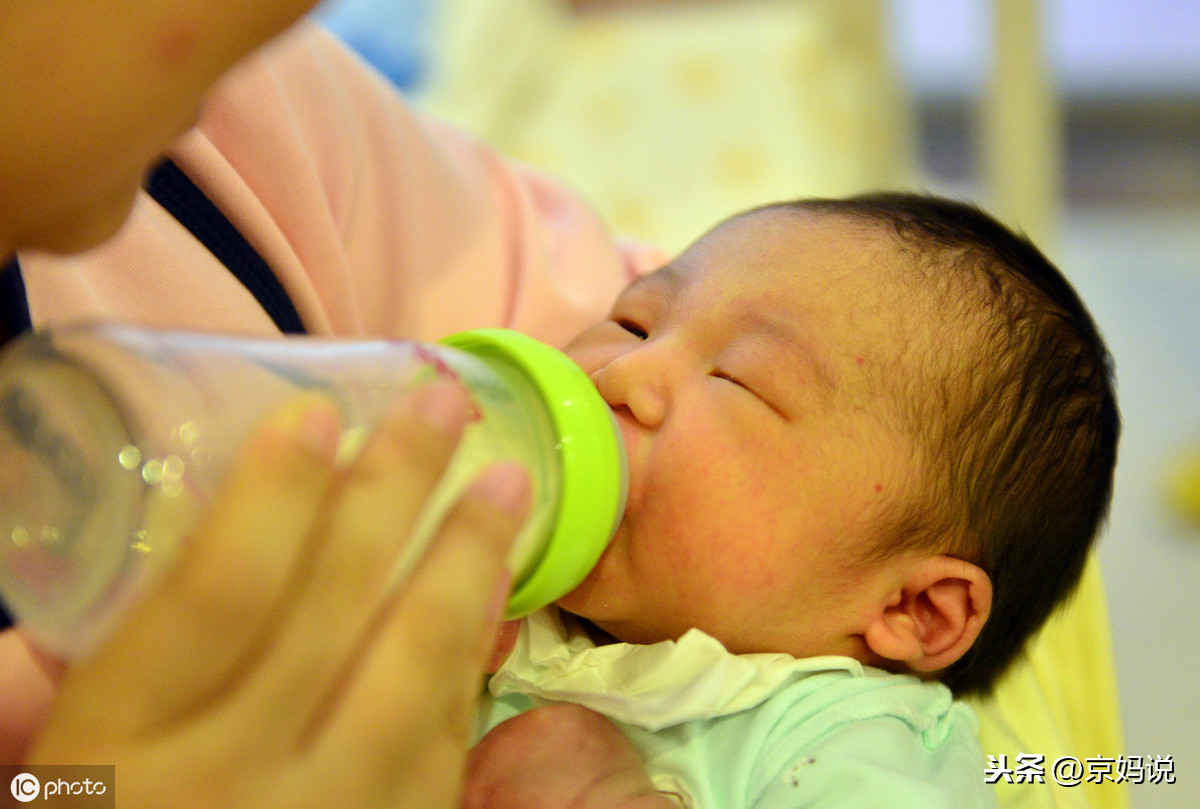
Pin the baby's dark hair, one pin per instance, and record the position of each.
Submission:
(1015, 424)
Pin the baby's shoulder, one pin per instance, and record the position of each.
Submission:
(873, 735)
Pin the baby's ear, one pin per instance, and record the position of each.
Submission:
(936, 615)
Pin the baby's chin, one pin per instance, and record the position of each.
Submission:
(576, 602)
(589, 599)
(605, 600)
(588, 604)
(603, 632)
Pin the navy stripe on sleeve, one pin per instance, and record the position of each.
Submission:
(172, 189)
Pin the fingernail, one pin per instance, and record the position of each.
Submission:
(443, 406)
(506, 486)
(318, 429)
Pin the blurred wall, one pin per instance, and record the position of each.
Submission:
(671, 116)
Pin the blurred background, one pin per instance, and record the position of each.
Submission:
(1077, 120)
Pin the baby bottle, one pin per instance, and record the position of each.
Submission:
(113, 439)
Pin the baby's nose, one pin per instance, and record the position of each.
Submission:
(629, 382)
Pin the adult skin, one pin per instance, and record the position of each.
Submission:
(92, 93)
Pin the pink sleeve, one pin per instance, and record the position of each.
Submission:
(381, 222)
(377, 221)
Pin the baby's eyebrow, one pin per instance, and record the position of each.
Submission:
(784, 332)
(666, 274)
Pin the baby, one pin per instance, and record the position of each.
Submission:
(870, 445)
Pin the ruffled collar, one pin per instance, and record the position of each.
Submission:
(651, 686)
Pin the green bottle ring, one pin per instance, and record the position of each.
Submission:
(592, 458)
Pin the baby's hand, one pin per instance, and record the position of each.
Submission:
(272, 667)
(556, 756)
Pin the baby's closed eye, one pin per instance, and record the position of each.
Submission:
(632, 327)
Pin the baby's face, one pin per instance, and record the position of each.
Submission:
(759, 451)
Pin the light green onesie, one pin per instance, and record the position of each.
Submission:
(723, 731)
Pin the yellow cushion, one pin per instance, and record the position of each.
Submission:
(672, 117)
(1061, 700)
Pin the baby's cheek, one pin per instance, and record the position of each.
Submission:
(711, 565)
(741, 575)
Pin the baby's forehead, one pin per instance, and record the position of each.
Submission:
(814, 282)
(801, 256)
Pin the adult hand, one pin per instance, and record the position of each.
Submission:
(272, 666)
(555, 756)
(502, 645)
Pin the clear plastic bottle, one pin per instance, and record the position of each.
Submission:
(112, 439)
